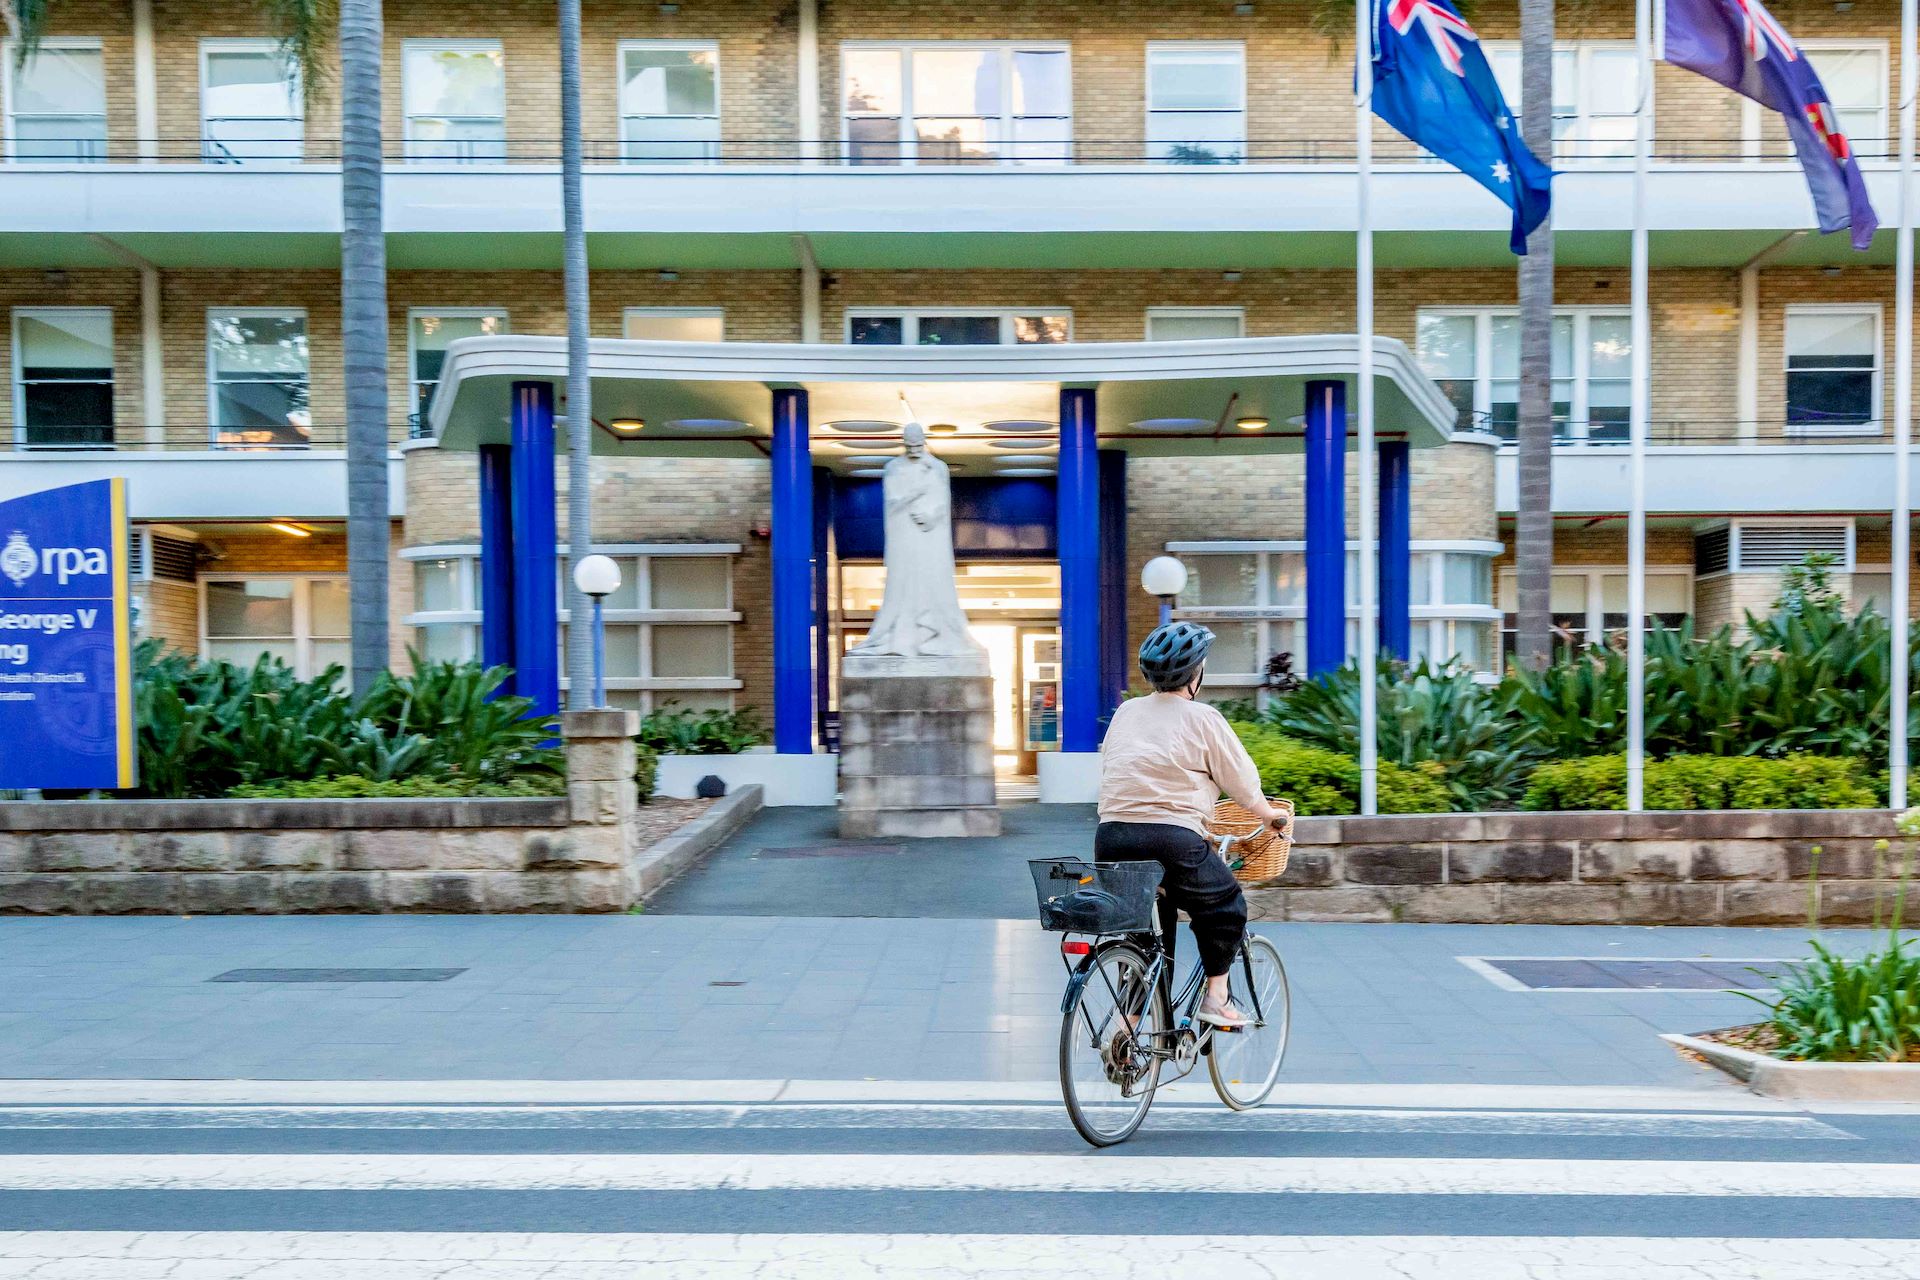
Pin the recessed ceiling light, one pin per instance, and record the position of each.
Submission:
(1252, 424)
(1020, 444)
(864, 426)
(942, 429)
(1026, 472)
(870, 460)
(290, 529)
(628, 425)
(1172, 424)
(858, 445)
(706, 426)
(1018, 425)
(866, 473)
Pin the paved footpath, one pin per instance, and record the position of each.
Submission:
(522, 1180)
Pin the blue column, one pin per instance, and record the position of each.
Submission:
(496, 559)
(1396, 549)
(536, 605)
(1116, 589)
(1079, 536)
(1326, 526)
(822, 598)
(792, 575)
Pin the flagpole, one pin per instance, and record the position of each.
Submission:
(1638, 404)
(1363, 24)
(1898, 693)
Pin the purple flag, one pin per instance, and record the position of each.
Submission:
(1737, 43)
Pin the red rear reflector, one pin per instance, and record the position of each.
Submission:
(1075, 948)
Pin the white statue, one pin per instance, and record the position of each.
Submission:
(920, 614)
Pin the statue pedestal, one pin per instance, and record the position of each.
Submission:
(916, 748)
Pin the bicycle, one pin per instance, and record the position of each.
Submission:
(1118, 1029)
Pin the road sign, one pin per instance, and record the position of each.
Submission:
(66, 657)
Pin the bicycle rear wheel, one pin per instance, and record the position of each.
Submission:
(1245, 1063)
(1108, 1074)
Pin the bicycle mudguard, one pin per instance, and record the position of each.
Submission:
(1082, 971)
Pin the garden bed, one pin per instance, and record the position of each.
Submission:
(1728, 1050)
(662, 816)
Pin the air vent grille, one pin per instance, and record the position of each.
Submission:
(173, 558)
(1779, 546)
(1712, 550)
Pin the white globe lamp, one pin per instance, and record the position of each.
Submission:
(598, 577)
(1164, 577)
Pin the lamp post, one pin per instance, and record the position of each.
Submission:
(1165, 577)
(598, 577)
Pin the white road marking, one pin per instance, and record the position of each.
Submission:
(1034, 1117)
(350, 1255)
(1234, 1175)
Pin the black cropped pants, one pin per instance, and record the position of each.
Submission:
(1198, 881)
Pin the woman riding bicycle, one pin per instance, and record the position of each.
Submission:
(1166, 759)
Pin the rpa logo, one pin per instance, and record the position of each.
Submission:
(19, 561)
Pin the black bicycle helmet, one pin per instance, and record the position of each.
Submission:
(1171, 654)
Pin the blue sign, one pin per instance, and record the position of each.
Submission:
(66, 678)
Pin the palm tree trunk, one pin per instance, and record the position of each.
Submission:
(363, 321)
(579, 380)
(1533, 516)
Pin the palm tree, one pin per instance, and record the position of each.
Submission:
(579, 379)
(301, 26)
(363, 333)
(1533, 515)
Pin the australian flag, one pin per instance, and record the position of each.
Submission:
(1738, 44)
(1432, 83)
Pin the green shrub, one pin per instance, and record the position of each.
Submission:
(646, 771)
(1833, 1009)
(1319, 781)
(1796, 781)
(355, 787)
(691, 732)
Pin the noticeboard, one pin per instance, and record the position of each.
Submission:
(66, 657)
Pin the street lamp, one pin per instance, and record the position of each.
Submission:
(598, 577)
(1165, 577)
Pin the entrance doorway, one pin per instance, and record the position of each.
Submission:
(1013, 610)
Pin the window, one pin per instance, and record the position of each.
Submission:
(957, 103)
(250, 104)
(676, 324)
(1196, 103)
(257, 377)
(1855, 78)
(957, 328)
(1590, 605)
(429, 331)
(456, 100)
(63, 376)
(669, 102)
(57, 103)
(669, 628)
(302, 621)
(1833, 369)
(1180, 324)
(1253, 595)
(1474, 355)
(1595, 95)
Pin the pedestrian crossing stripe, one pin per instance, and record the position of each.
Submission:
(948, 1172)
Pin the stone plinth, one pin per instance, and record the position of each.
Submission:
(916, 753)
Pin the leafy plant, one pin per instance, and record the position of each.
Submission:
(646, 771)
(1319, 781)
(692, 732)
(1706, 782)
(355, 787)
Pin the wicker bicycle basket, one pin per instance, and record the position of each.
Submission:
(1259, 854)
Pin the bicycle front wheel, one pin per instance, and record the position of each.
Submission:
(1245, 1063)
(1108, 1067)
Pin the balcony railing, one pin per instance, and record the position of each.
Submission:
(1705, 433)
(175, 438)
(258, 150)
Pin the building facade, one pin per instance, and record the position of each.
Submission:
(907, 173)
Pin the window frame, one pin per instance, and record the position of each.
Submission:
(620, 83)
(1149, 111)
(297, 144)
(1237, 314)
(1583, 114)
(696, 313)
(407, 115)
(214, 425)
(20, 425)
(302, 638)
(910, 318)
(1593, 628)
(9, 73)
(908, 138)
(1275, 618)
(1579, 404)
(1876, 424)
(1753, 139)
(416, 410)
